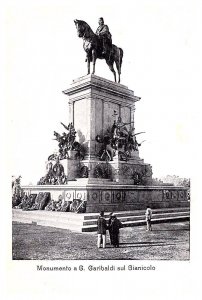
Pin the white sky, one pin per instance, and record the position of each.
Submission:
(161, 64)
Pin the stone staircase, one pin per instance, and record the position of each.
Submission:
(87, 222)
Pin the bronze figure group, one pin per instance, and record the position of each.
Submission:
(99, 45)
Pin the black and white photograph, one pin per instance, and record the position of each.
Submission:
(100, 135)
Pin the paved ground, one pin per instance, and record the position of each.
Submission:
(169, 241)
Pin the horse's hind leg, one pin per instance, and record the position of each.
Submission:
(110, 64)
(118, 69)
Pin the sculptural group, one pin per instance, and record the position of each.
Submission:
(99, 45)
(118, 138)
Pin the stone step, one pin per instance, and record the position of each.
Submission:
(158, 220)
(93, 228)
(79, 219)
(87, 222)
(137, 212)
(72, 217)
(138, 217)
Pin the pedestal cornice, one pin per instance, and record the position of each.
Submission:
(94, 83)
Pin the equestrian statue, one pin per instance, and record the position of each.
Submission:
(99, 45)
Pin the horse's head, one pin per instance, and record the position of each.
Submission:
(81, 27)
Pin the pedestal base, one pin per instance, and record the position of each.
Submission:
(115, 197)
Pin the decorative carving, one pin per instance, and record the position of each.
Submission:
(78, 206)
(181, 195)
(131, 196)
(117, 196)
(27, 202)
(94, 196)
(60, 205)
(84, 172)
(166, 194)
(148, 171)
(69, 196)
(106, 197)
(103, 171)
(127, 170)
(137, 178)
(55, 174)
(174, 195)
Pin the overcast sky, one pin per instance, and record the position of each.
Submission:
(44, 55)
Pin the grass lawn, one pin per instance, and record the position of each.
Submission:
(168, 241)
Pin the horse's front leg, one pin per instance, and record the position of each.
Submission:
(88, 64)
(94, 57)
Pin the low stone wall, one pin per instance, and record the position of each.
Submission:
(117, 197)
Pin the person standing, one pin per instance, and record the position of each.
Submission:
(101, 230)
(148, 215)
(115, 225)
(109, 227)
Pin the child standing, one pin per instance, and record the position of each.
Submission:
(148, 216)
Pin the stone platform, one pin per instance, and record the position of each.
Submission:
(87, 222)
(102, 194)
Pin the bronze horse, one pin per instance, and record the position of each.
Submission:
(92, 45)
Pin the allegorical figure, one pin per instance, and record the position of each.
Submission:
(106, 37)
(58, 170)
(122, 129)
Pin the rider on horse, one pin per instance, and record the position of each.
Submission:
(95, 44)
(105, 36)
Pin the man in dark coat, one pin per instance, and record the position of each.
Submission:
(114, 226)
(101, 230)
(106, 37)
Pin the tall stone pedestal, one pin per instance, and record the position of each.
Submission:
(94, 104)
